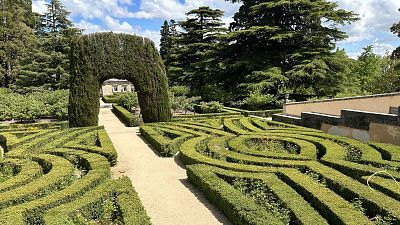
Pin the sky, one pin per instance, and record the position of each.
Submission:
(145, 17)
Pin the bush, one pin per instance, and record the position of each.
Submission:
(184, 103)
(127, 117)
(129, 100)
(312, 176)
(180, 90)
(60, 175)
(37, 105)
(256, 101)
(211, 107)
(214, 93)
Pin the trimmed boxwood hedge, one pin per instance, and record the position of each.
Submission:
(58, 171)
(127, 117)
(98, 57)
(324, 175)
(260, 113)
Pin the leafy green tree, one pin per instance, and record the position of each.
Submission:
(368, 70)
(294, 36)
(47, 67)
(389, 79)
(396, 30)
(197, 47)
(16, 38)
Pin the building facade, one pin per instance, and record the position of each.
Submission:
(114, 86)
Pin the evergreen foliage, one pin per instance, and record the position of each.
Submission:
(294, 36)
(193, 61)
(46, 68)
(16, 38)
(98, 57)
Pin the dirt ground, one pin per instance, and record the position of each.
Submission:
(161, 183)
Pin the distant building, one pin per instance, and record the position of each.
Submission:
(113, 86)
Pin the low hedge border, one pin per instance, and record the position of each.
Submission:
(29, 170)
(260, 113)
(90, 205)
(110, 99)
(61, 175)
(376, 203)
(163, 145)
(189, 155)
(300, 210)
(127, 117)
(240, 209)
(105, 149)
(334, 208)
(307, 149)
(31, 212)
(384, 185)
(389, 152)
(15, 127)
(226, 113)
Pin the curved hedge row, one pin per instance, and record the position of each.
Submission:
(263, 172)
(62, 176)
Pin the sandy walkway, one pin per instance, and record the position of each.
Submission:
(161, 183)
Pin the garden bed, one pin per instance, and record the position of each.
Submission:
(59, 175)
(265, 172)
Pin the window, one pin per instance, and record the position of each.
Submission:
(124, 88)
(115, 88)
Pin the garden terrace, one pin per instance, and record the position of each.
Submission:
(265, 172)
(51, 174)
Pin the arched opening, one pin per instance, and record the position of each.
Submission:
(98, 57)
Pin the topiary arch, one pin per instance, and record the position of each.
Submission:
(96, 58)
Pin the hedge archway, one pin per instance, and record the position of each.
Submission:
(98, 57)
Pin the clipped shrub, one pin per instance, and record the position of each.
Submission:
(127, 117)
(97, 57)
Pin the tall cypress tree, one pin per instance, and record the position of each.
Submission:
(197, 44)
(290, 36)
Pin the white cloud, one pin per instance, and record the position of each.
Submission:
(172, 9)
(39, 6)
(376, 16)
(116, 26)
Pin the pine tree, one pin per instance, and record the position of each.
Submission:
(56, 17)
(16, 38)
(48, 67)
(198, 43)
(289, 35)
(164, 41)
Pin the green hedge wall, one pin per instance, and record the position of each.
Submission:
(57, 175)
(97, 57)
(127, 117)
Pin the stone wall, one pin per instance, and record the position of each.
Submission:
(373, 103)
(360, 125)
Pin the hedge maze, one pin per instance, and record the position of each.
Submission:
(263, 172)
(51, 174)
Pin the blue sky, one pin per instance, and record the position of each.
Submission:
(145, 17)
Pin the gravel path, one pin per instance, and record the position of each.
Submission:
(161, 183)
